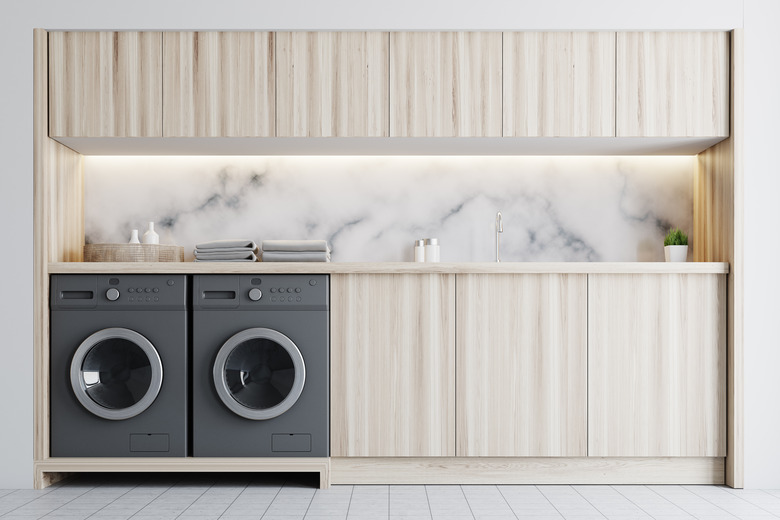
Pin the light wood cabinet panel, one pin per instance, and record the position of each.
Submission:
(521, 365)
(332, 84)
(657, 365)
(445, 84)
(672, 84)
(559, 84)
(218, 84)
(105, 84)
(392, 365)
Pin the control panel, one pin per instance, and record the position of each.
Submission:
(127, 291)
(288, 291)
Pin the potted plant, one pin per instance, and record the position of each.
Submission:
(676, 246)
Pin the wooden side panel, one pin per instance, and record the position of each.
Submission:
(218, 84)
(332, 84)
(718, 235)
(392, 365)
(657, 365)
(672, 84)
(559, 84)
(58, 208)
(521, 365)
(105, 84)
(445, 84)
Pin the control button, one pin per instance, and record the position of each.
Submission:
(132, 299)
(113, 281)
(148, 299)
(148, 289)
(131, 290)
(139, 289)
(273, 298)
(171, 282)
(112, 294)
(312, 282)
(156, 289)
(289, 289)
(297, 298)
(273, 289)
(257, 281)
(157, 298)
(290, 299)
(297, 289)
(255, 294)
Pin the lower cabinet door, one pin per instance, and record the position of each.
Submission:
(521, 365)
(657, 365)
(392, 365)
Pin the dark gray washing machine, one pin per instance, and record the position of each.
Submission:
(118, 365)
(260, 347)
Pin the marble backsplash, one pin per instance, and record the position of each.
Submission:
(373, 208)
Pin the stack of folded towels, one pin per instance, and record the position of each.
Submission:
(232, 250)
(296, 251)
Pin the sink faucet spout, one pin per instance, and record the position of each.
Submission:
(499, 229)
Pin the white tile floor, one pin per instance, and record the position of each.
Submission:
(238, 497)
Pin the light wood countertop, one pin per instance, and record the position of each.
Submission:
(392, 267)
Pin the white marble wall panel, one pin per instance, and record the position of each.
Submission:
(373, 208)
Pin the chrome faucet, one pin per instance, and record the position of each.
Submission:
(499, 229)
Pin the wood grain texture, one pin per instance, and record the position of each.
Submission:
(672, 84)
(394, 267)
(657, 365)
(58, 230)
(521, 365)
(332, 84)
(392, 365)
(559, 84)
(44, 469)
(718, 236)
(218, 84)
(445, 84)
(105, 84)
(527, 470)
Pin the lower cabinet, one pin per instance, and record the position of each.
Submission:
(392, 365)
(657, 365)
(521, 365)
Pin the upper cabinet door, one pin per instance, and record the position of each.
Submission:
(105, 84)
(218, 84)
(332, 84)
(559, 84)
(672, 84)
(445, 84)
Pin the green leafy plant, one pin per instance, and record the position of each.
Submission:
(676, 237)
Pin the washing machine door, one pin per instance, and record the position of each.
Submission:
(116, 373)
(259, 373)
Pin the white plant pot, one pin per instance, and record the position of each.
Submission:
(676, 253)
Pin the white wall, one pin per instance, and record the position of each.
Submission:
(18, 18)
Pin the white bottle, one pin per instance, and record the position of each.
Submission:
(150, 237)
(419, 250)
(134, 237)
(432, 251)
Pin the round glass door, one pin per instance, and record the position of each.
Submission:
(116, 373)
(259, 373)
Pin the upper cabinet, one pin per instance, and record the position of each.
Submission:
(445, 84)
(332, 84)
(105, 84)
(672, 84)
(559, 84)
(218, 84)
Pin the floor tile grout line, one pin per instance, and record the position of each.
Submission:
(50, 512)
(692, 493)
(310, 501)
(617, 490)
(115, 499)
(234, 500)
(273, 499)
(351, 494)
(716, 505)
(467, 501)
(507, 502)
(428, 500)
(550, 502)
(588, 501)
(199, 497)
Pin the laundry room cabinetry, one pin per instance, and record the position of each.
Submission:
(392, 365)
(657, 365)
(521, 365)
(105, 84)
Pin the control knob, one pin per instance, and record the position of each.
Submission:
(255, 294)
(112, 294)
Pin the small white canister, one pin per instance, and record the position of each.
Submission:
(432, 251)
(419, 250)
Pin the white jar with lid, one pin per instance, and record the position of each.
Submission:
(419, 250)
(432, 251)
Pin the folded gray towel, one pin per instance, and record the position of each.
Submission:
(291, 256)
(227, 243)
(296, 245)
(228, 260)
(248, 256)
(224, 250)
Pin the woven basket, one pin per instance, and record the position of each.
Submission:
(133, 253)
